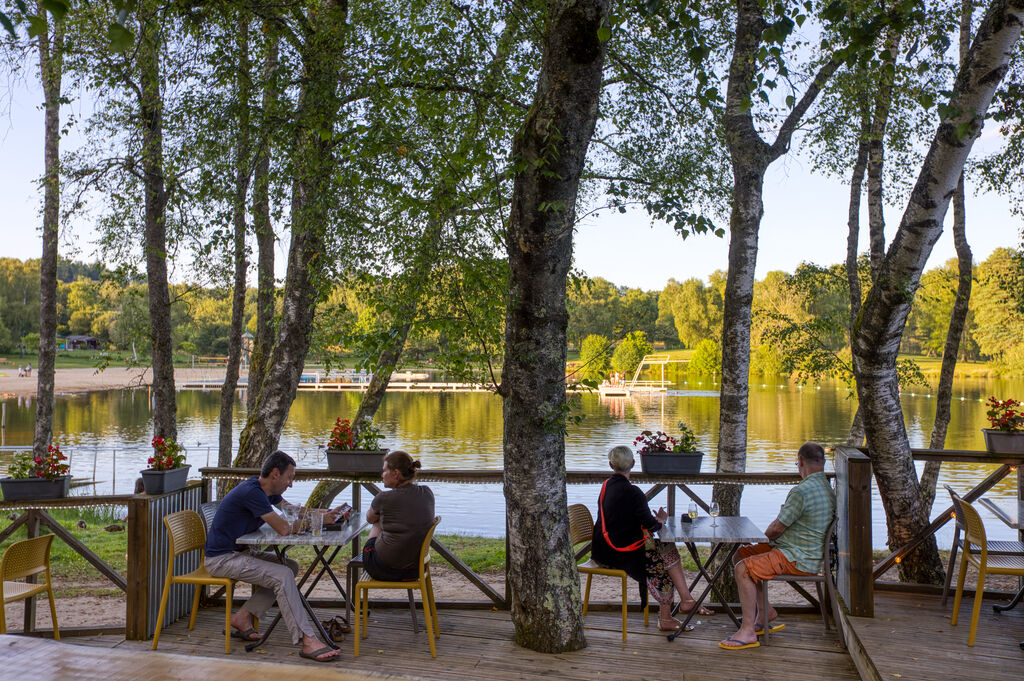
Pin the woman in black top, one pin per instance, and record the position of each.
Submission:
(623, 519)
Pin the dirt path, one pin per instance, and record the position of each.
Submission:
(87, 379)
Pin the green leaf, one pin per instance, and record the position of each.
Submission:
(120, 38)
(790, 101)
(58, 8)
(6, 23)
(36, 26)
(604, 33)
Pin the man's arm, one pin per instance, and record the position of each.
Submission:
(277, 523)
(372, 516)
(775, 530)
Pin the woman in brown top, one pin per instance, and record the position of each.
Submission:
(401, 518)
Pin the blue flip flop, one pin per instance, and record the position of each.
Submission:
(741, 646)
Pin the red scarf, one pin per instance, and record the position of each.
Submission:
(600, 509)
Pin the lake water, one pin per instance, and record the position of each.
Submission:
(464, 430)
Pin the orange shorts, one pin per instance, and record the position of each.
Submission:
(764, 561)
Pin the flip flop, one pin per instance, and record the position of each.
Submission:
(759, 631)
(741, 646)
(246, 635)
(314, 655)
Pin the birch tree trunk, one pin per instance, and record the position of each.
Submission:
(961, 305)
(263, 339)
(51, 68)
(884, 314)
(876, 156)
(550, 152)
(750, 156)
(227, 390)
(151, 118)
(311, 209)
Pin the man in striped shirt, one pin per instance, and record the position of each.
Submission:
(796, 537)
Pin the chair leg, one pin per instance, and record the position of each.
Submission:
(959, 590)
(647, 612)
(978, 593)
(952, 566)
(836, 614)
(163, 609)
(53, 610)
(428, 619)
(586, 597)
(195, 607)
(412, 611)
(624, 607)
(764, 612)
(354, 593)
(227, 617)
(823, 604)
(3, 617)
(366, 611)
(433, 604)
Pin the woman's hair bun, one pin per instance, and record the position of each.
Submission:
(417, 464)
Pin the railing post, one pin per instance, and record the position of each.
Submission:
(855, 581)
(136, 625)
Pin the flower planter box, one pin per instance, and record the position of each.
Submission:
(164, 482)
(1003, 441)
(356, 460)
(672, 463)
(35, 488)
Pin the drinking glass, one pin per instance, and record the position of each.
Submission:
(316, 523)
(714, 513)
(692, 511)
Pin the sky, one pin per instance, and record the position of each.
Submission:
(804, 219)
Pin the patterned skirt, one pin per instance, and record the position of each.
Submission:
(660, 559)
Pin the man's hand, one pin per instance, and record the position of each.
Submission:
(279, 524)
(661, 516)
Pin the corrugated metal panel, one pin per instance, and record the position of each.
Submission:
(180, 601)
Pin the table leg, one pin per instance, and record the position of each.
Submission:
(711, 586)
(1012, 604)
(324, 636)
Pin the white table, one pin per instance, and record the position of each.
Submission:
(322, 543)
(730, 533)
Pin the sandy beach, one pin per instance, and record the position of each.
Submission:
(88, 379)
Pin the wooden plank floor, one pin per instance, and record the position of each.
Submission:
(910, 638)
(476, 644)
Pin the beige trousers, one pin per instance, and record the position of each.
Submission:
(272, 581)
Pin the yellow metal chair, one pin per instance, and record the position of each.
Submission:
(22, 559)
(983, 561)
(423, 584)
(185, 533)
(581, 529)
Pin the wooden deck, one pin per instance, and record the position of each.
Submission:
(473, 645)
(910, 638)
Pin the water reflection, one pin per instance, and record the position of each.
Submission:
(464, 430)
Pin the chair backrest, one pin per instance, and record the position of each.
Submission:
(185, 531)
(958, 514)
(425, 547)
(826, 549)
(974, 529)
(26, 557)
(208, 510)
(581, 524)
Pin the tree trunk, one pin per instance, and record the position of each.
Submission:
(884, 314)
(958, 318)
(51, 72)
(856, 435)
(151, 110)
(227, 391)
(263, 340)
(323, 494)
(550, 152)
(876, 157)
(311, 208)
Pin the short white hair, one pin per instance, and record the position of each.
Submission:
(621, 458)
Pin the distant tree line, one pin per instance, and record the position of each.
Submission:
(94, 301)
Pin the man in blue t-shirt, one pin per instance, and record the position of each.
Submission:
(244, 509)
